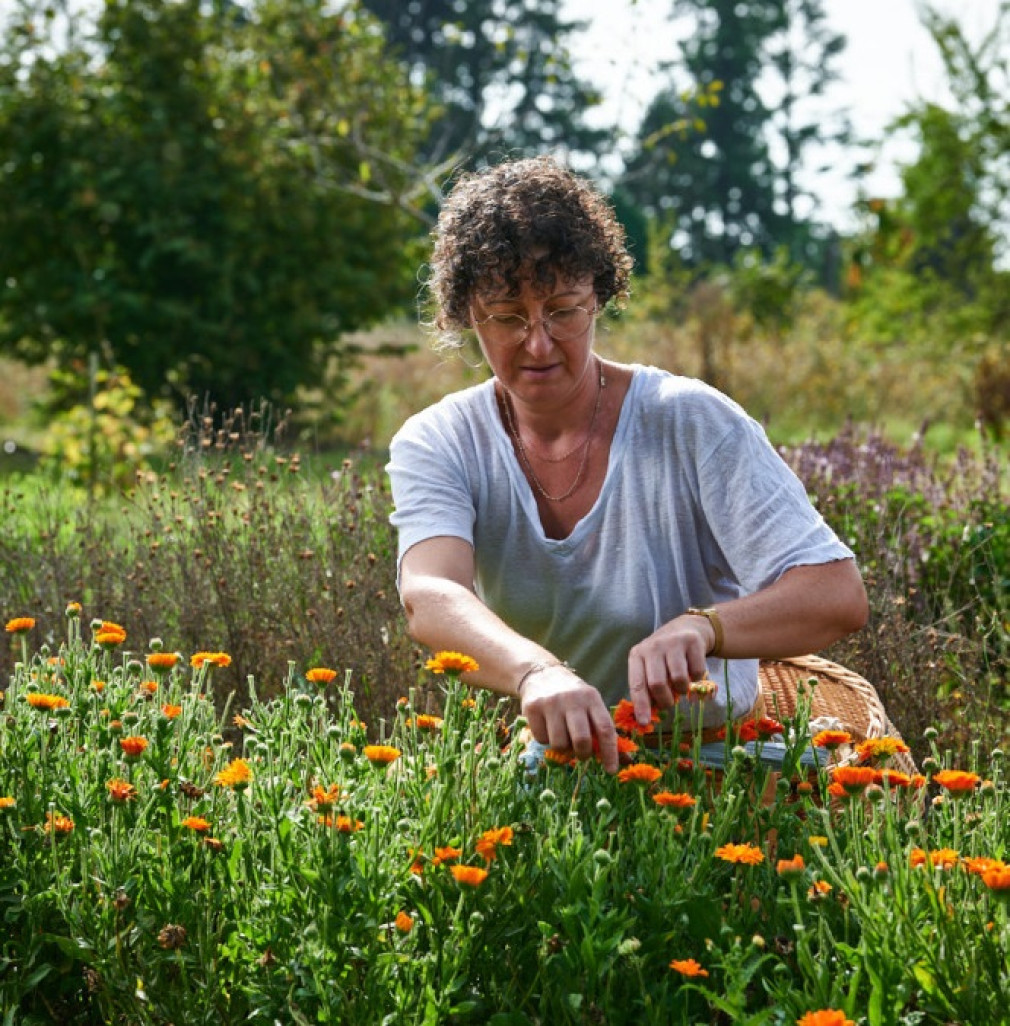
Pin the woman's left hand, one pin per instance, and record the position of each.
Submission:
(661, 666)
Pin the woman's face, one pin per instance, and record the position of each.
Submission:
(538, 343)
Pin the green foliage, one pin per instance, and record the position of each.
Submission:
(102, 439)
(719, 184)
(316, 886)
(212, 194)
(502, 74)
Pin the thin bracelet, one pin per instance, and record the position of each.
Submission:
(535, 668)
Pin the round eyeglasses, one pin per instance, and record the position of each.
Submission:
(563, 325)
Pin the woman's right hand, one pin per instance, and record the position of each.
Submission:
(564, 712)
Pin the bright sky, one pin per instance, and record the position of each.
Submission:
(890, 61)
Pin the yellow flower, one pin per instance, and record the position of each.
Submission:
(746, 854)
(381, 755)
(121, 790)
(451, 662)
(47, 703)
(200, 659)
(880, 748)
(236, 774)
(20, 625)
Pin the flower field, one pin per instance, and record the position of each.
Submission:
(164, 862)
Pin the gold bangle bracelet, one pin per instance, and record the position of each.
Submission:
(712, 615)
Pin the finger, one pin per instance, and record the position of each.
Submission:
(678, 673)
(557, 732)
(606, 735)
(639, 691)
(538, 726)
(697, 666)
(662, 694)
(580, 734)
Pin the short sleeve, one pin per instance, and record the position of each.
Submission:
(759, 512)
(432, 494)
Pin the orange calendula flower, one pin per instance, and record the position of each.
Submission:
(490, 840)
(20, 625)
(161, 661)
(197, 824)
(324, 797)
(404, 922)
(237, 774)
(957, 782)
(451, 662)
(149, 687)
(133, 747)
(446, 854)
(688, 967)
(854, 779)
(98, 686)
(819, 890)
(6, 802)
(47, 703)
(831, 739)
(200, 659)
(746, 854)
(320, 675)
(468, 876)
(941, 858)
(56, 823)
(825, 1017)
(121, 790)
(997, 879)
(109, 635)
(381, 755)
(170, 712)
(423, 721)
(895, 778)
(624, 719)
(980, 864)
(880, 749)
(73, 609)
(342, 824)
(639, 773)
(672, 800)
(702, 689)
(791, 869)
(767, 727)
(560, 757)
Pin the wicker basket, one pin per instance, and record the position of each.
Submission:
(839, 694)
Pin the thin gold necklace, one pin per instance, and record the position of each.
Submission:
(524, 458)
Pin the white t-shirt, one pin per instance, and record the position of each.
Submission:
(696, 508)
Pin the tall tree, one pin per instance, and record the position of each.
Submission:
(719, 150)
(500, 69)
(208, 196)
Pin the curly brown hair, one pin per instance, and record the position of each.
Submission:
(494, 221)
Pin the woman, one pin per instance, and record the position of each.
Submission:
(588, 530)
